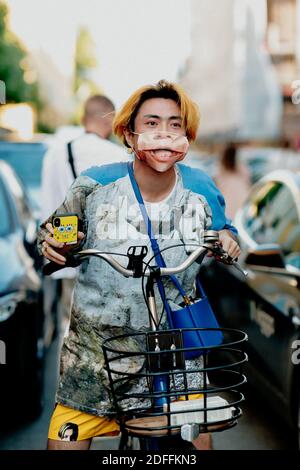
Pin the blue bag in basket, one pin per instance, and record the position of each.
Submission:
(196, 315)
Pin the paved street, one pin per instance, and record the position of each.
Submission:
(257, 429)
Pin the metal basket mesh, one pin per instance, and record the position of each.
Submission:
(156, 390)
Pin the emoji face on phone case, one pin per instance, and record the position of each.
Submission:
(65, 228)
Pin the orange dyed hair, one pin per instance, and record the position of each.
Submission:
(125, 117)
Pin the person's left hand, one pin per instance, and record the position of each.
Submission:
(229, 243)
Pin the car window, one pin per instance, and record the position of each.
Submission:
(271, 216)
(5, 225)
(26, 159)
(294, 260)
(18, 194)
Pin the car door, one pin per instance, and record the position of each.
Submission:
(269, 228)
(23, 209)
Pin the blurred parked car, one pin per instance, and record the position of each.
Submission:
(263, 160)
(26, 158)
(266, 303)
(260, 160)
(21, 311)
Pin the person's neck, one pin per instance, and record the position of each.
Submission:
(154, 186)
(97, 132)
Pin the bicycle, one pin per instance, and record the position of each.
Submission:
(169, 405)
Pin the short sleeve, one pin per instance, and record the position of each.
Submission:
(74, 203)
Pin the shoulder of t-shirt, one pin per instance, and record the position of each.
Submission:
(55, 151)
(106, 174)
(193, 179)
(201, 183)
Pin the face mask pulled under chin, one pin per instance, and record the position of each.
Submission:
(161, 145)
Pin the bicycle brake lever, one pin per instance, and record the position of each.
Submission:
(219, 253)
(238, 267)
(223, 256)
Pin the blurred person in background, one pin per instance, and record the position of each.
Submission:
(233, 179)
(62, 164)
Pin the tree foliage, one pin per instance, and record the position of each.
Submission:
(14, 65)
(85, 63)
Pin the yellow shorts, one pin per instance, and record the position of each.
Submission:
(68, 424)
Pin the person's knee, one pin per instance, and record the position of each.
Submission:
(203, 442)
(68, 445)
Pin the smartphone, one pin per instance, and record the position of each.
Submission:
(65, 228)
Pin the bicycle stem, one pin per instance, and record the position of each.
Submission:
(152, 303)
(160, 382)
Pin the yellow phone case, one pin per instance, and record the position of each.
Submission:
(65, 228)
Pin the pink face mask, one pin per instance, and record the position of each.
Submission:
(161, 149)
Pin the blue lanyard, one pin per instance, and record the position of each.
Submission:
(155, 247)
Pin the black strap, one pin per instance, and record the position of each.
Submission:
(71, 159)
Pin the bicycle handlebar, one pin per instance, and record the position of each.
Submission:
(211, 238)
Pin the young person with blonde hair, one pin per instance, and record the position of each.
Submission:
(156, 124)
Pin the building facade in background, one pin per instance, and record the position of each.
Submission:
(230, 72)
(283, 44)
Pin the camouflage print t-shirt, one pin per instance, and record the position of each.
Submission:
(105, 303)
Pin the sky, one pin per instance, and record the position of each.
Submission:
(137, 41)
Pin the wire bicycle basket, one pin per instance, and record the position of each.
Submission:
(157, 392)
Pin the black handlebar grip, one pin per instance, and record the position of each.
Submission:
(72, 261)
(51, 268)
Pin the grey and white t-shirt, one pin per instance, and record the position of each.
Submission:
(105, 303)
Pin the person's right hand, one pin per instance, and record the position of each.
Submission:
(54, 250)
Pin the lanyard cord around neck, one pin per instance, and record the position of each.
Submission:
(155, 247)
